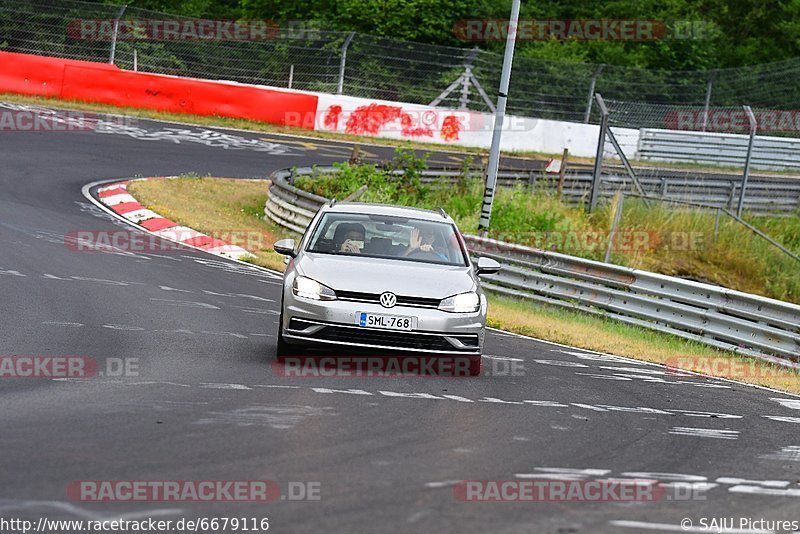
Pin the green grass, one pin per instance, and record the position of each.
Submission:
(663, 238)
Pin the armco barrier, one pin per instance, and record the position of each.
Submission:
(719, 317)
(107, 84)
(780, 153)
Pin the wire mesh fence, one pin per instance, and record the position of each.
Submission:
(391, 69)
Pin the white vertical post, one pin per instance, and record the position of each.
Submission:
(347, 40)
(500, 111)
(743, 189)
(135, 60)
(113, 51)
(291, 75)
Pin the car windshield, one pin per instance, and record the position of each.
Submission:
(381, 236)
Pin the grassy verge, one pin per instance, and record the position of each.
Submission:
(230, 210)
(256, 126)
(219, 206)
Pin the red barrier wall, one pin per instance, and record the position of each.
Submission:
(107, 84)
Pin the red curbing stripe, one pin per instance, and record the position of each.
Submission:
(126, 207)
(112, 192)
(157, 223)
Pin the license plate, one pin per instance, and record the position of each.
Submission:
(390, 322)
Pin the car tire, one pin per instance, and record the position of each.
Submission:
(284, 349)
(475, 363)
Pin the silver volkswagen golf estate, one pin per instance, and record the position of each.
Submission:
(383, 277)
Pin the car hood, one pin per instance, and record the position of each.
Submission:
(376, 275)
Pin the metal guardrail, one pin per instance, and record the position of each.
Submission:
(765, 194)
(718, 149)
(719, 317)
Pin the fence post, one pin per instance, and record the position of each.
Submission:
(614, 225)
(562, 172)
(597, 72)
(742, 191)
(347, 40)
(113, 51)
(708, 98)
(135, 60)
(291, 75)
(598, 159)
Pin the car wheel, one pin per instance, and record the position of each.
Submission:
(284, 348)
(475, 363)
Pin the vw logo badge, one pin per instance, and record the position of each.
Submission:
(388, 300)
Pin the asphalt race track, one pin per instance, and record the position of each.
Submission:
(385, 453)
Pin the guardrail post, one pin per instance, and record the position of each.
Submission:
(347, 40)
(753, 126)
(113, 51)
(598, 159)
(532, 181)
(588, 113)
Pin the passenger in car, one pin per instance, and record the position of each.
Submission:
(422, 241)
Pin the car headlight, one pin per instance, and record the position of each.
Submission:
(307, 288)
(461, 303)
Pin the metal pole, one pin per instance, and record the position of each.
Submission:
(598, 159)
(344, 60)
(135, 60)
(708, 100)
(114, 35)
(614, 226)
(291, 75)
(502, 96)
(597, 72)
(465, 80)
(753, 126)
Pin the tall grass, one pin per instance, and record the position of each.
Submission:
(686, 242)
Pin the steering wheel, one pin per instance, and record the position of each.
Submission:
(424, 255)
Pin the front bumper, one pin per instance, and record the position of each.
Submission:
(334, 323)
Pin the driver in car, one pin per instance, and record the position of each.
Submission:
(352, 238)
(422, 241)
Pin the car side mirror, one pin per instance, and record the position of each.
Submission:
(487, 266)
(285, 247)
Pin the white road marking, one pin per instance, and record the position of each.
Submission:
(60, 323)
(441, 483)
(186, 303)
(215, 385)
(561, 363)
(794, 404)
(783, 419)
(704, 432)
(786, 454)
(503, 358)
(668, 527)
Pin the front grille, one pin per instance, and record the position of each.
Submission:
(375, 298)
(400, 340)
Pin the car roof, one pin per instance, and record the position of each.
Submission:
(389, 209)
